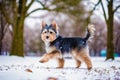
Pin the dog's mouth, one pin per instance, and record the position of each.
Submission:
(47, 40)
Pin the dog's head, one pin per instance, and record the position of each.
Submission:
(49, 32)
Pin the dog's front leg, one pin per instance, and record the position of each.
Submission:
(60, 63)
(49, 56)
(45, 58)
(57, 55)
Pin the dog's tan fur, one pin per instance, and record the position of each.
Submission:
(82, 56)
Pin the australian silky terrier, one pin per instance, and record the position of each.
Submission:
(56, 45)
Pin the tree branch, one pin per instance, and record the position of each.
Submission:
(34, 11)
(41, 3)
(103, 11)
(91, 12)
(96, 5)
(38, 17)
(116, 8)
(27, 7)
(5, 14)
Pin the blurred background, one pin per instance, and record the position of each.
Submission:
(20, 22)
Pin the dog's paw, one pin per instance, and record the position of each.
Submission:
(77, 67)
(89, 68)
(59, 67)
(41, 61)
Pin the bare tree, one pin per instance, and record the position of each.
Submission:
(110, 23)
(16, 16)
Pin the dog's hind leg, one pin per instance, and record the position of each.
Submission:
(78, 63)
(88, 62)
(76, 57)
(84, 55)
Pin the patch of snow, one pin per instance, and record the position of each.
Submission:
(29, 68)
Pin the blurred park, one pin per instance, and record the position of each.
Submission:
(20, 22)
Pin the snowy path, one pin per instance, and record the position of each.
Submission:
(28, 68)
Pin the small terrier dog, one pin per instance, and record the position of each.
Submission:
(56, 45)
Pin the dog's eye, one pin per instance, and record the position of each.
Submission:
(51, 32)
(45, 32)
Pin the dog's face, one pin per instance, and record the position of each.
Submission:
(49, 32)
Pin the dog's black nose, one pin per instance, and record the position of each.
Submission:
(47, 37)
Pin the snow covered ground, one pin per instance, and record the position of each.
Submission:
(28, 68)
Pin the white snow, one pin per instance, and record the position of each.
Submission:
(29, 68)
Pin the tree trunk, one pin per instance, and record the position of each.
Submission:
(0, 34)
(110, 44)
(0, 47)
(18, 42)
(1, 31)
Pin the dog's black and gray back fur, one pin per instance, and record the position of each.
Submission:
(68, 44)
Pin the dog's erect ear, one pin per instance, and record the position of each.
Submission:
(42, 25)
(54, 25)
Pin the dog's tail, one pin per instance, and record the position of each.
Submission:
(90, 32)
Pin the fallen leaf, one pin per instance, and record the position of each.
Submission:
(52, 78)
(29, 70)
